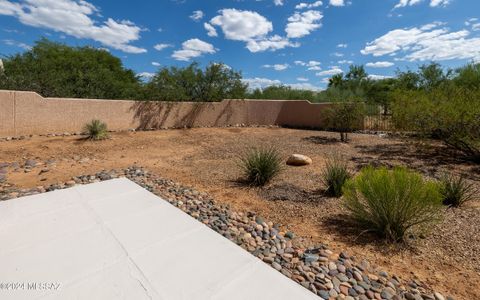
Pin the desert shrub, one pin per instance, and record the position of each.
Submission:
(456, 190)
(448, 113)
(335, 175)
(96, 130)
(261, 165)
(392, 203)
(345, 117)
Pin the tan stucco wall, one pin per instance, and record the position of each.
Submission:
(24, 113)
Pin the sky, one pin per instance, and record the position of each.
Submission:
(300, 43)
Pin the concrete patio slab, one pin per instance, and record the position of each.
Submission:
(116, 240)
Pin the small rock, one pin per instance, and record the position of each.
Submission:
(276, 266)
(30, 163)
(438, 296)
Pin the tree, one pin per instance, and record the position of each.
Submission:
(356, 73)
(345, 117)
(281, 92)
(379, 93)
(432, 76)
(468, 76)
(407, 80)
(336, 81)
(191, 83)
(56, 70)
(445, 106)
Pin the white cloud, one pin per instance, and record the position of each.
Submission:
(250, 27)
(278, 2)
(380, 64)
(337, 54)
(330, 72)
(304, 86)
(156, 64)
(348, 62)
(9, 8)
(433, 3)
(242, 25)
(277, 67)
(302, 79)
(17, 44)
(378, 77)
(429, 42)
(197, 15)
(73, 17)
(311, 65)
(325, 80)
(404, 3)
(342, 45)
(193, 48)
(261, 83)
(304, 5)
(146, 75)
(473, 23)
(273, 43)
(211, 31)
(337, 2)
(302, 24)
(160, 47)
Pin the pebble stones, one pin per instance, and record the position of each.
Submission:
(316, 268)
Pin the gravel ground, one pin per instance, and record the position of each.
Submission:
(328, 274)
(206, 158)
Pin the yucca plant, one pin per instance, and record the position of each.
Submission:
(96, 130)
(334, 176)
(392, 203)
(261, 165)
(456, 191)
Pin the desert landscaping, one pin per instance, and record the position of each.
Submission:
(240, 150)
(444, 260)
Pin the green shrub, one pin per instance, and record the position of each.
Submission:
(345, 117)
(392, 203)
(334, 176)
(96, 130)
(456, 190)
(261, 165)
(450, 114)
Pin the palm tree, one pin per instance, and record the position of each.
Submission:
(336, 80)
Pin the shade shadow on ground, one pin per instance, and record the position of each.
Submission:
(427, 158)
(321, 140)
(290, 192)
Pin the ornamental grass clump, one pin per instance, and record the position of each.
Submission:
(261, 165)
(334, 176)
(392, 203)
(96, 130)
(456, 191)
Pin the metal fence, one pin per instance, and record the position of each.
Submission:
(377, 119)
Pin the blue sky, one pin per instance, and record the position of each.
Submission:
(296, 42)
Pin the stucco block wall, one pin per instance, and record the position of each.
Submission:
(24, 113)
(7, 113)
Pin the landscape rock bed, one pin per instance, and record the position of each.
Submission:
(327, 274)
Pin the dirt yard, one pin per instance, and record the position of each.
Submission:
(448, 259)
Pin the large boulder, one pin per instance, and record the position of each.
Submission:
(298, 160)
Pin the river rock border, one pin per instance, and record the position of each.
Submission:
(329, 275)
